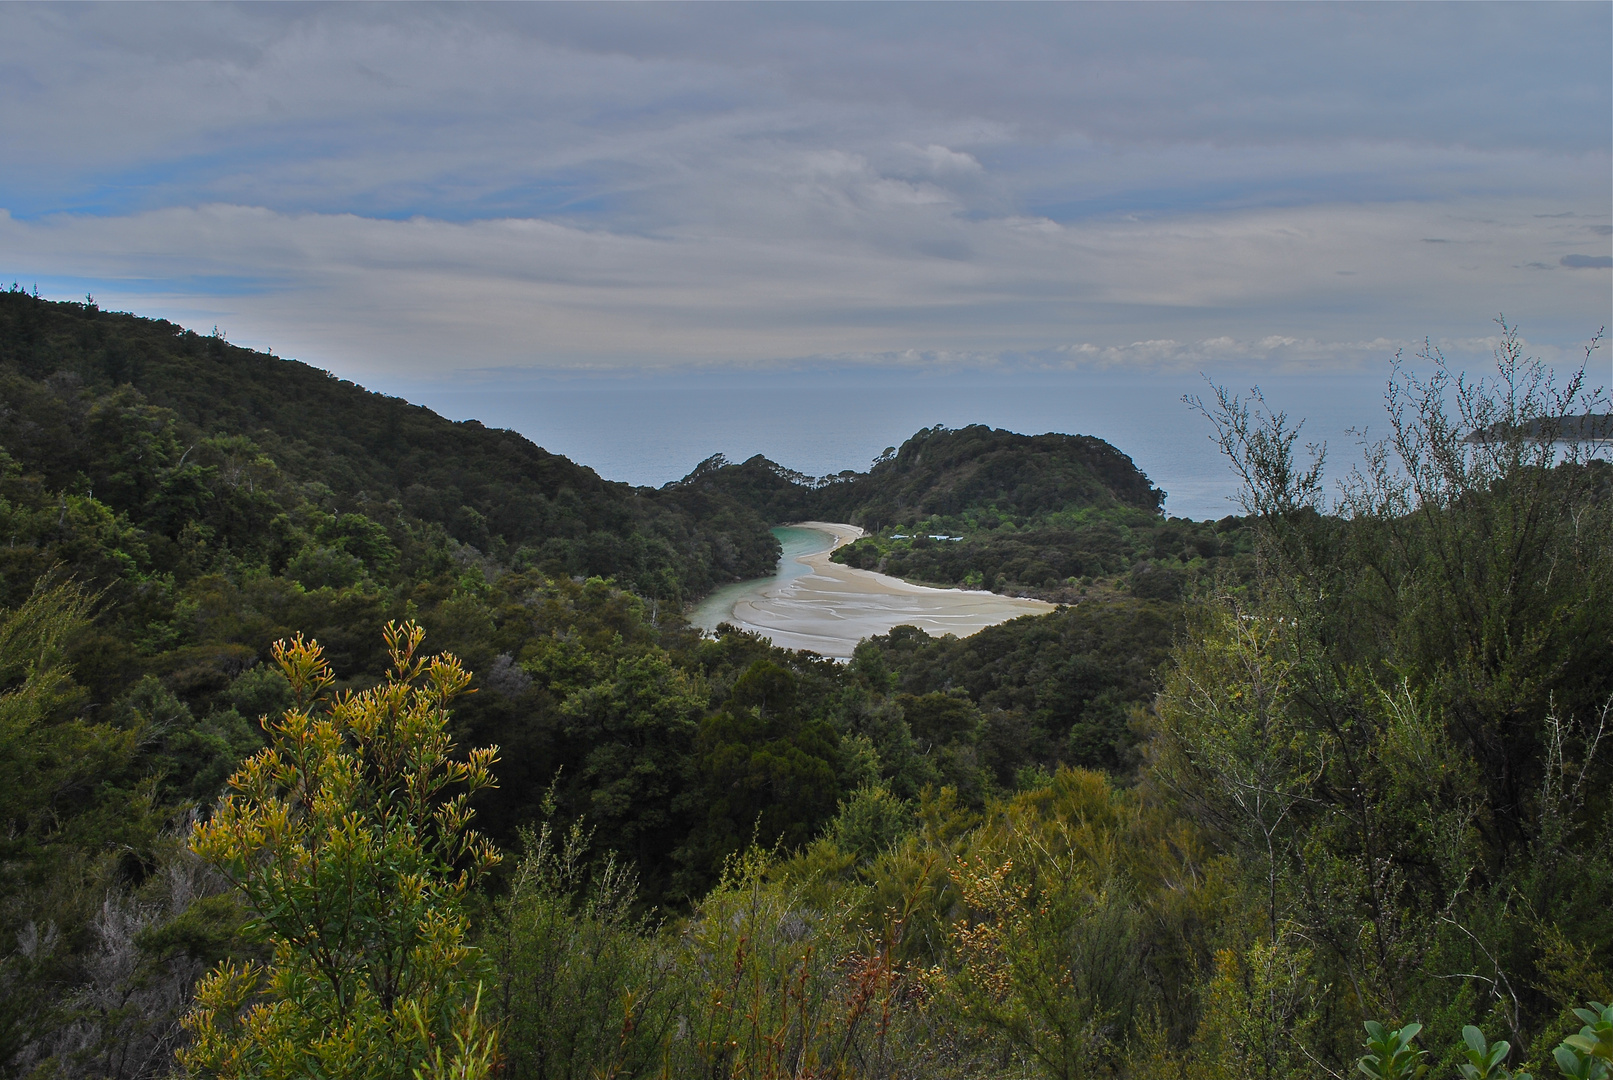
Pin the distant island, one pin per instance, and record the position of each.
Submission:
(1587, 427)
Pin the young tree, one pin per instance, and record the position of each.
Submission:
(354, 857)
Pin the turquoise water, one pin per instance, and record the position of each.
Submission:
(796, 542)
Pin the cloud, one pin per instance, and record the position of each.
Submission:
(1586, 262)
(474, 112)
(425, 188)
(940, 159)
(1274, 352)
(862, 265)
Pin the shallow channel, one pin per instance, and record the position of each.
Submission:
(796, 541)
(813, 603)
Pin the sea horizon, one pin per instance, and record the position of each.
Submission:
(651, 431)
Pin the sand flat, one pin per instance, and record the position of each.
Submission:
(832, 607)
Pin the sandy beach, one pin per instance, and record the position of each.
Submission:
(832, 607)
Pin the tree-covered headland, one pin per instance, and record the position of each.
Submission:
(1065, 518)
(342, 740)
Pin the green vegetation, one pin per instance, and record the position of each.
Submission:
(1065, 518)
(942, 472)
(1347, 773)
(180, 453)
(1091, 555)
(342, 840)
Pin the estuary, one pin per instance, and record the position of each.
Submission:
(813, 603)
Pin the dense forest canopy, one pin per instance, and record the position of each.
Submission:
(1060, 517)
(162, 421)
(1256, 782)
(945, 472)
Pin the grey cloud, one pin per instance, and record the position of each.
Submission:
(1447, 74)
(877, 269)
(1587, 262)
(324, 103)
(656, 184)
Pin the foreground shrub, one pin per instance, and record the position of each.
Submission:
(586, 989)
(355, 861)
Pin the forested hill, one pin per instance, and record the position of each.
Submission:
(896, 862)
(1062, 517)
(79, 383)
(946, 472)
(941, 472)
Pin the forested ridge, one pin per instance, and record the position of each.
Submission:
(1066, 518)
(943, 472)
(318, 759)
(158, 418)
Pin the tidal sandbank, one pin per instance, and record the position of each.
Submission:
(829, 607)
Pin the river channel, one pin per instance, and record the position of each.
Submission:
(813, 603)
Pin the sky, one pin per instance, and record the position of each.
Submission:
(481, 195)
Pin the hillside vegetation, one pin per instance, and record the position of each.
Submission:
(163, 532)
(1061, 517)
(945, 473)
(1351, 767)
(174, 430)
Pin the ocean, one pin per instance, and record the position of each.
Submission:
(651, 431)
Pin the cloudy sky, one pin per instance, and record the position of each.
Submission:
(477, 192)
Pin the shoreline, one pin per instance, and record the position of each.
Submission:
(894, 582)
(832, 607)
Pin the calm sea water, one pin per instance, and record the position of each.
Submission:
(652, 431)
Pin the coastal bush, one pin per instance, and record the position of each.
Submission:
(585, 988)
(1391, 731)
(1258, 782)
(1094, 556)
(355, 862)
